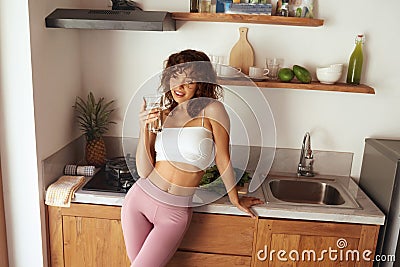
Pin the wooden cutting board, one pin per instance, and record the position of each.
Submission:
(242, 54)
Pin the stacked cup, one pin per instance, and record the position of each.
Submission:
(217, 62)
(273, 65)
(258, 73)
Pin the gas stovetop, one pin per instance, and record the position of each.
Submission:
(118, 176)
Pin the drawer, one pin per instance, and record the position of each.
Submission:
(222, 234)
(194, 259)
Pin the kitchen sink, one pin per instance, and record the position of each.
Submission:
(326, 192)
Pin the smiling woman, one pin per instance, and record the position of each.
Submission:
(183, 79)
(157, 209)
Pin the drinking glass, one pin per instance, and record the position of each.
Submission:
(155, 103)
(217, 62)
(273, 64)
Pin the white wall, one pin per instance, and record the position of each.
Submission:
(18, 146)
(57, 81)
(116, 63)
(56, 77)
(39, 79)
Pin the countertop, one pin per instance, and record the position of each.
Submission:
(368, 213)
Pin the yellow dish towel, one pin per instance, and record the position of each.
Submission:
(62, 191)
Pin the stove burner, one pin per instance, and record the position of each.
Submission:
(118, 175)
(122, 168)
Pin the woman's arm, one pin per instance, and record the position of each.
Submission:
(220, 124)
(145, 154)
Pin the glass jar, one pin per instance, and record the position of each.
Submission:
(194, 6)
(205, 6)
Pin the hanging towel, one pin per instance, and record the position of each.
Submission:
(62, 191)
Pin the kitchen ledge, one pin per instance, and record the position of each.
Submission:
(247, 18)
(368, 214)
(316, 86)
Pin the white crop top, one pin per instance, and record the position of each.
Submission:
(191, 145)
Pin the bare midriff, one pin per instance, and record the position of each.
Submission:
(175, 177)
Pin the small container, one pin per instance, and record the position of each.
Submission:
(282, 8)
(220, 7)
(194, 6)
(205, 6)
(213, 8)
(328, 75)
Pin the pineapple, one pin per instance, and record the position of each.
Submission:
(94, 119)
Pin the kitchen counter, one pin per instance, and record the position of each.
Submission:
(284, 162)
(368, 213)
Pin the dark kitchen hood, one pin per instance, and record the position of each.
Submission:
(134, 20)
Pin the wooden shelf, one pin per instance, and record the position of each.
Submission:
(247, 18)
(338, 87)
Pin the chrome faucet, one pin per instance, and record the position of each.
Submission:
(304, 169)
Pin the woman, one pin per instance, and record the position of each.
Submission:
(156, 210)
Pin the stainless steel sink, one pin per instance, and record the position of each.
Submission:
(309, 192)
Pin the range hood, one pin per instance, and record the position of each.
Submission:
(134, 20)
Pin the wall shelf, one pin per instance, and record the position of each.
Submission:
(247, 18)
(338, 87)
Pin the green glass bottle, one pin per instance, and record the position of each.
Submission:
(356, 62)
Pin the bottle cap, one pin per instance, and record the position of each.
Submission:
(360, 38)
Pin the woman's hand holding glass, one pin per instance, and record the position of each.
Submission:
(150, 117)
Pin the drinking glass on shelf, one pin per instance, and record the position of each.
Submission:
(273, 65)
(217, 61)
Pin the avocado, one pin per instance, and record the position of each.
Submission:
(302, 74)
(285, 74)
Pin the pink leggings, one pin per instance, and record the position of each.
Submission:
(152, 228)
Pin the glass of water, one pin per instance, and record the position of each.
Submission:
(155, 103)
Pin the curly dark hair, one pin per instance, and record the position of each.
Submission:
(203, 74)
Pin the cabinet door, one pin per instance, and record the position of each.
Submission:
(93, 242)
(222, 234)
(301, 243)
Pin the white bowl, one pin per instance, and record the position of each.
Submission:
(336, 67)
(324, 69)
(327, 76)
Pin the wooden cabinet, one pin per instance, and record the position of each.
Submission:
(314, 244)
(86, 235)
(217, 240)
(91, 235)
